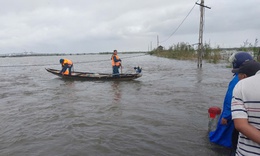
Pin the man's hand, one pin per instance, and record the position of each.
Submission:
(224, 121)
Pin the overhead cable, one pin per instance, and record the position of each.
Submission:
(180, 24)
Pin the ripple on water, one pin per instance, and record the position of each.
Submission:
(162, 113)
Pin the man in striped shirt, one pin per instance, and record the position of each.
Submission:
(245, 109)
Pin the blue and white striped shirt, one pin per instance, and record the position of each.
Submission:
(246, 105)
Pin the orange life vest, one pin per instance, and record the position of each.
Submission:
(66, 72)
(66, 61)
(69, 62)
(113, 61)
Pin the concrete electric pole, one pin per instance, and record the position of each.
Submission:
(200, 46)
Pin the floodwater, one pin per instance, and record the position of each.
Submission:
(163, 113)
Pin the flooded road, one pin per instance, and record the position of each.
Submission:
(163, 113)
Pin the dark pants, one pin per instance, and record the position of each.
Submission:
(65, 67)
(115, 71)
(234, 142)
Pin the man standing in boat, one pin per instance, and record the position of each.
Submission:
(116, 63)
(66, 64)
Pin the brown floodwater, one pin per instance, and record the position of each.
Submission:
(163, 113)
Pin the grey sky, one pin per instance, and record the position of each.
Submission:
(77, 26)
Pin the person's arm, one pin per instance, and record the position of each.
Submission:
(240, 116)
(248, 130)
(116, 60)
(64, 68)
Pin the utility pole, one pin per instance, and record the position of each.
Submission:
(200, 46)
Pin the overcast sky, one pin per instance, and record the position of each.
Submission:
(90, 26)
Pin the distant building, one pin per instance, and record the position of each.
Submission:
(160, 48)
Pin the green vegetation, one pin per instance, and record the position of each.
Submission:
(184, 51)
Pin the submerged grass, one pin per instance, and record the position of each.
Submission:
(184, 51)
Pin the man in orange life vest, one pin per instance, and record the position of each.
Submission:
(65, 64)
(116, 63)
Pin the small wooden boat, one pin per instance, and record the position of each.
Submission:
(94, 76)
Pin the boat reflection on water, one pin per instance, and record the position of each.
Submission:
(117, 91)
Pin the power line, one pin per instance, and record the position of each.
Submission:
(180, 24)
